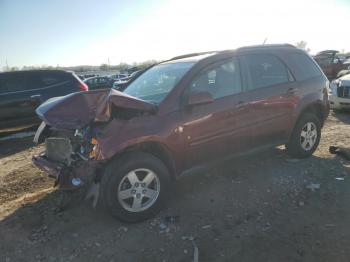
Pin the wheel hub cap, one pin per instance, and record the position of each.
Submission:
(308, 136)
(138, 190)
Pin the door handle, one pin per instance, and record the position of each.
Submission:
(292, 90)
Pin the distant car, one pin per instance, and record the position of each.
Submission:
(118, 76)
(339, 94)
(99, 82)
(81, 77)
(122, 83)
(21, 92)
(331, 63)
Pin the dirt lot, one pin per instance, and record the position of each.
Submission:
(257, 208)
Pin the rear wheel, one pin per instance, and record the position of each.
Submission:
(134, 187)
(305, 137)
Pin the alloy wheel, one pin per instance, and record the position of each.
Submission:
(138, 190)
(308, 136)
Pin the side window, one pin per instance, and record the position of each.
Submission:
(266, 70)
(220, 80)
(308, 68)
(49, 80)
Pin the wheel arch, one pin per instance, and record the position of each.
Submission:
(155, 148)
(316, 108)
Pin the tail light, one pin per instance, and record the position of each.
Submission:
(83, 86)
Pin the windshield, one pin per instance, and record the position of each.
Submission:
(154, 84)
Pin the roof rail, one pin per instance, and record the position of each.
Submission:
(229, 50)
(190, 55)
(265, 46)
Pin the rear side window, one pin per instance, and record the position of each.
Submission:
(49, 79)
(266, 70)
(307, 67)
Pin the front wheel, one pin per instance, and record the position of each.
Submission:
(134, 187)
(305, 137)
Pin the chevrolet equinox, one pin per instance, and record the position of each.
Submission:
(181, 114)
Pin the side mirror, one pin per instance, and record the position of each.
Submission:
(199, 98)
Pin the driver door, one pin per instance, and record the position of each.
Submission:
(210, 129)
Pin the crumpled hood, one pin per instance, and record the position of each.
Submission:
(77, 110)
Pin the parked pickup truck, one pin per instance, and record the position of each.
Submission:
(340, 93)
(332, 63)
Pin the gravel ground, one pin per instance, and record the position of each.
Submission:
(258, 208)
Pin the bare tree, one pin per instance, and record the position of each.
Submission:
(302, 45)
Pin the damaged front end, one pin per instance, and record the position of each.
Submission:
(70, 158)
(72, 128)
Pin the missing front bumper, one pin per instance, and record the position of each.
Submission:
(74, 177)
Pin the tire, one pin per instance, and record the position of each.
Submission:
(125, 192)
(299, 146)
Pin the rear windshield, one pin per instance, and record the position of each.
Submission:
(155, 84)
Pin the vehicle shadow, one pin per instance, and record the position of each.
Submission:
(16, 141)
(198, 199)
(342, 115)
(13, 146)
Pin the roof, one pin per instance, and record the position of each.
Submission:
(34, 70)
(269, 46)
(194, 57)
(190, 57)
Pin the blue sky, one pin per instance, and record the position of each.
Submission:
(76, 32)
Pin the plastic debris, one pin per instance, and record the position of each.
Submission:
(313, 187)
(172, 219)
(163, 226)
(340, 151)
(206, 226)
(122, 228)
(266, 227)
(195, 252)
(340, 178)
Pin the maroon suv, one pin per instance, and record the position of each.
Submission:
(181, 114)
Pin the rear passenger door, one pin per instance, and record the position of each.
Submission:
(272, 96)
